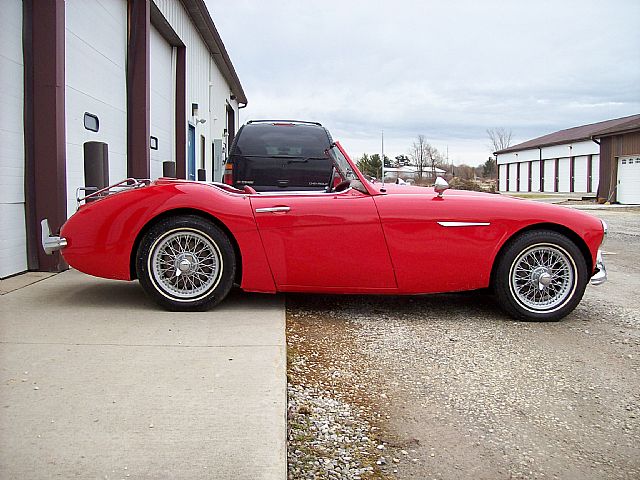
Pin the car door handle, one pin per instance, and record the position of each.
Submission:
(273, 209)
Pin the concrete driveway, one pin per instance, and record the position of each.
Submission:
(97, 382)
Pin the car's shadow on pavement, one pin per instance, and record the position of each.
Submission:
(124, 295)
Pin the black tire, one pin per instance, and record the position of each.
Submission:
(186, 263)
(540, 277)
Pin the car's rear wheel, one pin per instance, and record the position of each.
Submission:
(541, 276)
(186, 263)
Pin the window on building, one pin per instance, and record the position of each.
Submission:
(91, 122)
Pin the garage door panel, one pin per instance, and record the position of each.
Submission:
(162, 111)
(99, 26)
(580, 174)
(502, 170)
(524, 176)
(94, 75)
(95, 55)
(13, 248)
(111, 121)
(595, 173)
(629, 180)
(535, 176)
(513, 176)
(13, 245)
(564, 175)
(549, 175)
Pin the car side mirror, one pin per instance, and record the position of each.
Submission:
(440, 186)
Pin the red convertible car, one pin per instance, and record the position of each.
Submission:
(189, 242)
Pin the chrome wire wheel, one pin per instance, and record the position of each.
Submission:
(185, 264)
(543, 278)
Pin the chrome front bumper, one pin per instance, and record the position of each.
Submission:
(600, 276)
(51, 243)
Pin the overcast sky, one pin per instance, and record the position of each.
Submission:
(445, 69)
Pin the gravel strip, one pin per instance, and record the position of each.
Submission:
(330, 436)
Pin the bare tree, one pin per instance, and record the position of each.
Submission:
(499, 138)
(419, 154)
(425, 156)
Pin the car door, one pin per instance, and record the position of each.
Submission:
(324, 242)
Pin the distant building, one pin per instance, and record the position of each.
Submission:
(407, 172)
(145, 81)
(601, 158)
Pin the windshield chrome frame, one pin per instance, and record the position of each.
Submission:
(367, 185)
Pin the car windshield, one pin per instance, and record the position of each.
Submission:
(341, 164)
(345, 170)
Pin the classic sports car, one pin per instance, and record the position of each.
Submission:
(189, 242)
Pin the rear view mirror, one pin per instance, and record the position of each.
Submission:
(440, 186)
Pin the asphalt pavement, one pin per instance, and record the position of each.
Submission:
(98, 382)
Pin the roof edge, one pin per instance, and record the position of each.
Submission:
(607, 131)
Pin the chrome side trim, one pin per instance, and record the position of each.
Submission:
(600, 276)
(273, 209)
(50, 243)
(464, 224)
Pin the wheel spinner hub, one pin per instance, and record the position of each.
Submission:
(186, 264)
(541, 277)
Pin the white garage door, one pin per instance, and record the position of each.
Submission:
(535, 176)
(502, 171)
(549, 175)
(524, 176)
(629, 180)
(580, 174)
(564, 175)
(162, 102)
(95, 78)
(13, 237)
(513, 176)
(595, 173)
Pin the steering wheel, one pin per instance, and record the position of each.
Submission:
(342, 186)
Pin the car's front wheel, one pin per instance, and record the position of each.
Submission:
(541, 276)
(186, 263)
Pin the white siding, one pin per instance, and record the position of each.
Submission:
(524, 177)
(549, 175)
(564, 175)
(95, 57)
(218, 102)
(535, 176)
(502, 171)
(513, 176)
(197, 70)
(557, 151)
(580, 174)
(162, 100)
(595, 173)
(13, 246)
(585, 148)
(205, 86)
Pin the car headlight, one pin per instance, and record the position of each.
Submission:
(605, 227)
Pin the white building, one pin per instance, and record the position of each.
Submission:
(407, 172)
(584, 159)
(150, 79)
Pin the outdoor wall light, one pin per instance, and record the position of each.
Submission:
(194, 109)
